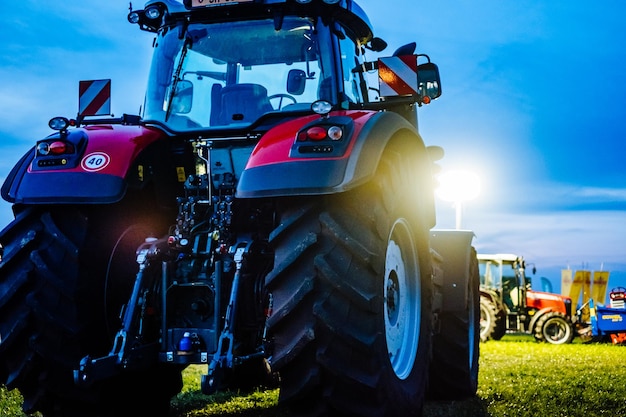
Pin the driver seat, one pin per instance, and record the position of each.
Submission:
(243, 103)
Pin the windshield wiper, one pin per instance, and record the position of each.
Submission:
(177, 77)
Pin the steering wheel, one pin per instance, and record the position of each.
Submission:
(282, 96)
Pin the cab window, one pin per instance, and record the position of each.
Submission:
(351, 58)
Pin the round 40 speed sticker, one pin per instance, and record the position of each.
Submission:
(95, 161)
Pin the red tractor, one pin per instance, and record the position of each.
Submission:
(270, 215)
(508, 303)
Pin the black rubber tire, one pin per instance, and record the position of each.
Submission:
(52, 315)
(555, 328)
(500, 329)
(331, 273)
(454, 366)
(488, 319)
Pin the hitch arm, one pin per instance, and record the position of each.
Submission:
(122, 356)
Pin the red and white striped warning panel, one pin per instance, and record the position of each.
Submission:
(397, 75)
(94, 98)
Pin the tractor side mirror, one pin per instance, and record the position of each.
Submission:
(296, 81)
(377, 45)
(428, 80)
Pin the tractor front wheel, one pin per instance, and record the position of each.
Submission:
(554, 328)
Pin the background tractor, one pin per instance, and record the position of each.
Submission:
(270, 215)
(509, 304)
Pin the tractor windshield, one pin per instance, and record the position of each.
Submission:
(228, 75)
(498, 274)
(504, 276)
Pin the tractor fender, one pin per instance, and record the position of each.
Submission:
(537, 316)
(274, 169)
(453, 247)
(97, 172)
(490, 295)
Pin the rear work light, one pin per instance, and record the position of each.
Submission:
(59, 123)
(153, 12)
(61, 150)
(335, 133)
(318, 133)
(56, 147)
(325, 138)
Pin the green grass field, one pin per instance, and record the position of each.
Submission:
(517, 378)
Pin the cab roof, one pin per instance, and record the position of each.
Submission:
(167, 12)
(500, 257)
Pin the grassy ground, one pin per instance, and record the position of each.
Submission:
(517, 378)
(522, 378)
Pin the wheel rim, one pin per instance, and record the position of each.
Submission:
(485, 321)
(402, 297)
(556, 331)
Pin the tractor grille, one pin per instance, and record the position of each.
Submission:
(568, 307)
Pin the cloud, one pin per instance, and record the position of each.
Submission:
(550, 195)
(551, 237)
(600, 194)
(555, 225)
(50, 51)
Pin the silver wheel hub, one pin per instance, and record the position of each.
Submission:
(402, 291)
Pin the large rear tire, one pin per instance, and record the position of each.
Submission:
(351, 327)
(500, 330)
(492, 322)
(488, 319)
(52, 314)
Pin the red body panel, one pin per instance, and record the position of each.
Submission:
(540, 300)
(275, 145)
(111, 149)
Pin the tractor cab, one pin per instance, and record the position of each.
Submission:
(506, 274)
(250, 64)
(214, 71)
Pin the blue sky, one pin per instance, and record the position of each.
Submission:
(533, 102)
